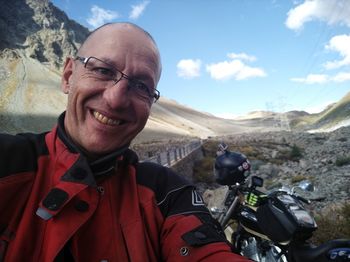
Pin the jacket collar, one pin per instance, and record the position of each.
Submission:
(104, 165)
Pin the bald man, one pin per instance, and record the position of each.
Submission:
(78, 193)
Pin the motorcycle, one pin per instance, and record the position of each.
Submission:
(269, 227)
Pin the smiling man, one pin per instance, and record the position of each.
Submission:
(111, 87)
(77, 193)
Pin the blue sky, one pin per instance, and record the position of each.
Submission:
(231, 57)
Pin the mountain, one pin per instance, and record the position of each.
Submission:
(334, 116)
(38, 29)
(32, 52)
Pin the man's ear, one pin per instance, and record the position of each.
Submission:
(67, 75)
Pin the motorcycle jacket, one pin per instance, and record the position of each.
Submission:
(54, 202)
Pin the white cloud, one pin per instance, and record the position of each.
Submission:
(189, 68)
(323, 79)
(341, 77)
(137, 10)
(234, 69)
(100, 16)
(312, 79)
(340, 44)
(242, 56)
(330, 11)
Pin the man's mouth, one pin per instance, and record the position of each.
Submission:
(105, 120)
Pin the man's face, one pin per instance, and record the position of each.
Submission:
(100, 116)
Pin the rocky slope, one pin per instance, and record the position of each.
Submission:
(319, 162)
(39, 30)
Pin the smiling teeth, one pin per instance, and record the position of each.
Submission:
(105, 120)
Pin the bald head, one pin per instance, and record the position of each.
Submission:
(121, 26)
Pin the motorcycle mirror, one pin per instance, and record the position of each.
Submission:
(306, 185)
(257, 181)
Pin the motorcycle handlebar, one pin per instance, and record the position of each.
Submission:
(304, 200)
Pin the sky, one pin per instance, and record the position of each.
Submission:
(232, 57)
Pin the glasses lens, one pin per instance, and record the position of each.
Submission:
(142, 90)
(101, 70)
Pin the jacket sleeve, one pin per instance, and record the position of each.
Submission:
(187, 238)
(189, 233)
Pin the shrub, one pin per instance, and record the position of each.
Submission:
(332, 227)
(298, 178)
(250, 151)
(295, 152)
(203, 170)
(342, 161)
(270, 184)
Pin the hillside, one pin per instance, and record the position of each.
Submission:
(333, 117)
(31, 102)
(43, 31)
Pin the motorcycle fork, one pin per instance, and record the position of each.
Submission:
(224, 218)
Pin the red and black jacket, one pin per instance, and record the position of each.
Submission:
(54, 202)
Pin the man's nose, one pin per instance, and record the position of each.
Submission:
(116, 94)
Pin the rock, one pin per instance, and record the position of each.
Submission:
(43, 31)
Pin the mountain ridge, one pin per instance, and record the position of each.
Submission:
(37, 45)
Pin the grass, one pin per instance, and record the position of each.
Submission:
(298, 178)
(342, 161)
(256, 151)
(332, 226)
(203, 170)
(295, 153)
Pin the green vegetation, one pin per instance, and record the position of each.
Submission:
(270, 184)
(255, 151)
(295, 153)
(343, 139)
(203, 170)
(333, 226)
(342, 161)
(298, 178)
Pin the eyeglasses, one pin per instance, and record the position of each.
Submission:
(103, 71)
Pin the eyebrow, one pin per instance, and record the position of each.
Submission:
(109, 61)
(142, 76)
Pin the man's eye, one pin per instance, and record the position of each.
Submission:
(103, 71)
(142, 87)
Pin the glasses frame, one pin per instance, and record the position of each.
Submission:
(84, 61)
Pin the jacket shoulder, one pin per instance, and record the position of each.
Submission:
(159, 179)
(19, 153)
(174, 194)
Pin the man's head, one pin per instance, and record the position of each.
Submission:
(103, 113)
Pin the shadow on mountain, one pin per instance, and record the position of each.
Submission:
(11, 33)
(19, 123)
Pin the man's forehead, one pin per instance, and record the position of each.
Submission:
(111, 38)
(120, 32)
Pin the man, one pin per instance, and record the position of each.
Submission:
(78, 193)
